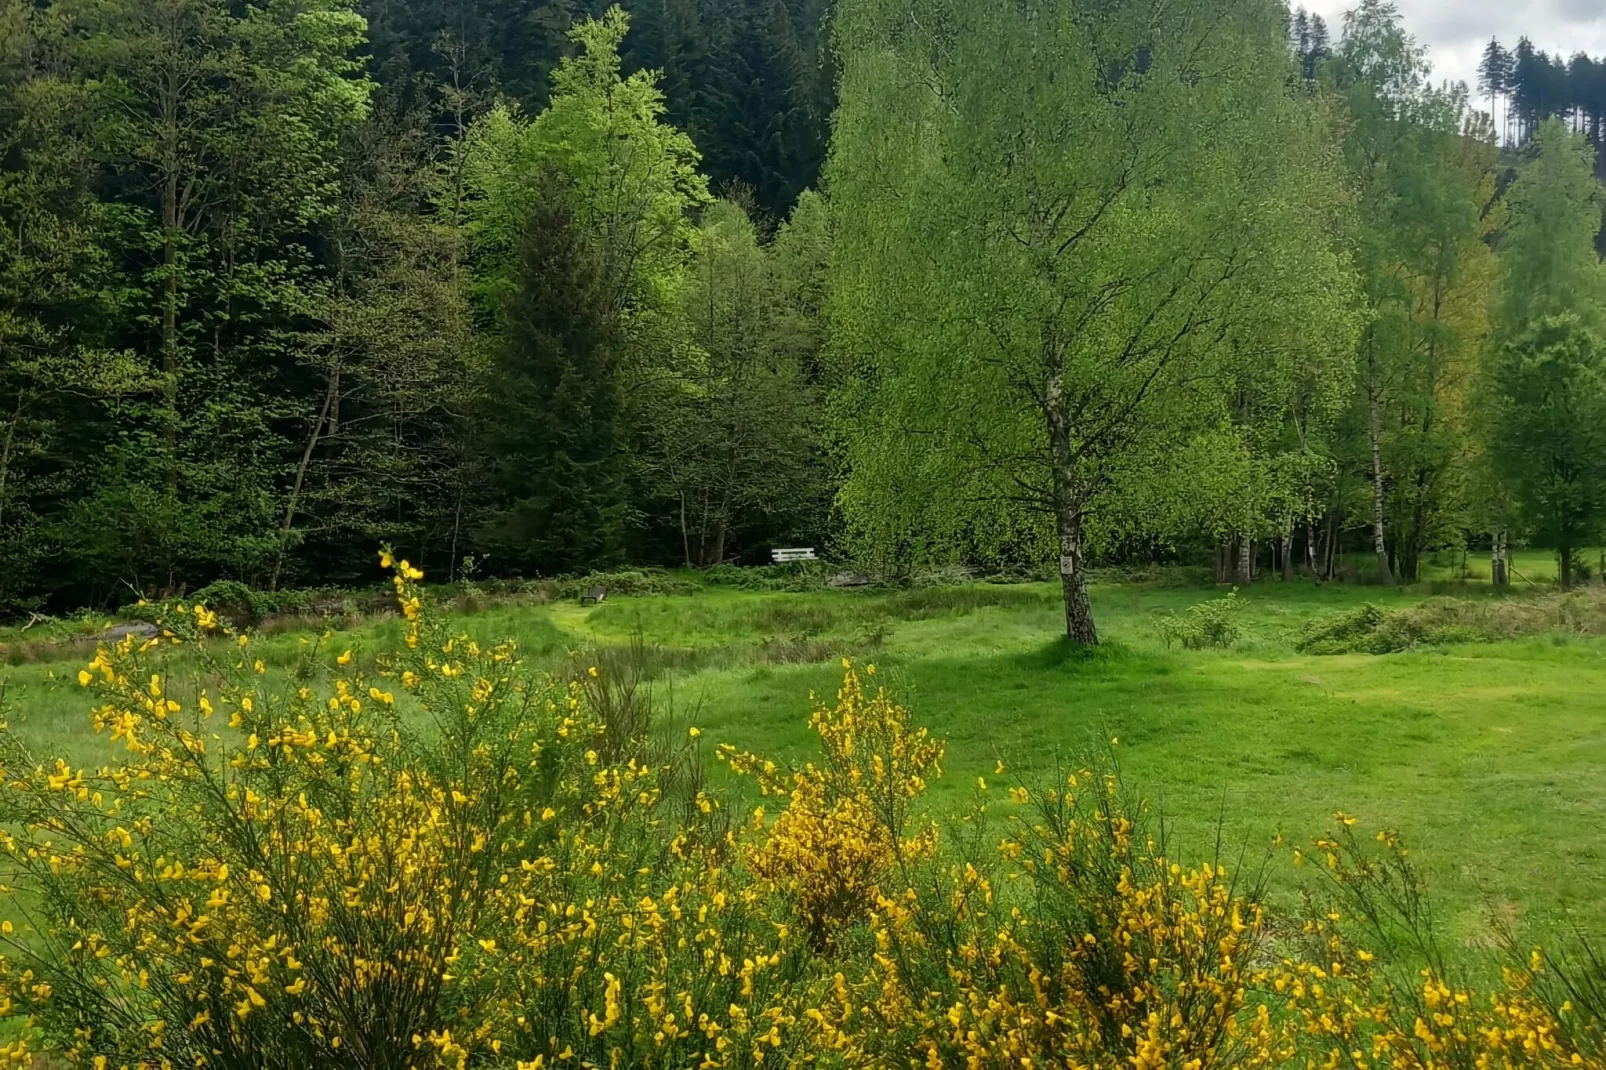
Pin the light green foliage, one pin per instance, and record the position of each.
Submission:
(1424, 177)
(1550, 444)
(799, 257)
(1211, 623)
(1547, 253)
(1547, 368)
(1061, 235)
(728, 419)
(634, 176)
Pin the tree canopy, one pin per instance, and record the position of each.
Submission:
(530, 287)
(1066, 240)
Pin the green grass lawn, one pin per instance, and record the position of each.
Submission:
(1489, 757)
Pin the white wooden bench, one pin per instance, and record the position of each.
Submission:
(800, 553)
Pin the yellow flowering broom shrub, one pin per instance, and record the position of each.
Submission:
(848, 826)
(453, 861)
(278, 874)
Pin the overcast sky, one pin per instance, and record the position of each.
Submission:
(1456, 31)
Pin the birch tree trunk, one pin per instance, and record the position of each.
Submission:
(1069, 500)
(1379, 543)
(1079, 627)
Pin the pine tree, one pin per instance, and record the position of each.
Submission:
(1523, 84)
(552, 423)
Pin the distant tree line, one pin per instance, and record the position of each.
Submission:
(1525, 85)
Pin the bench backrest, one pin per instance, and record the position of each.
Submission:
(801, 553)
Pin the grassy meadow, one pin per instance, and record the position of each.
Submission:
(1489, 757)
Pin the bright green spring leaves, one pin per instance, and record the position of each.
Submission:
(1069, 241)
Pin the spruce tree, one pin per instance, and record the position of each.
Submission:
(552, 425)
(1494, 73)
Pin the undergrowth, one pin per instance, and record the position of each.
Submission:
(1373, 629)
(1210, 624)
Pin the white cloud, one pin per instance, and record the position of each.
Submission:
(1455, 33)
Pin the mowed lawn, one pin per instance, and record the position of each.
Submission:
(1490, 758)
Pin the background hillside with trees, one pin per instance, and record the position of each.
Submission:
(554, 287)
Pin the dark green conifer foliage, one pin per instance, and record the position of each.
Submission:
(552, 425)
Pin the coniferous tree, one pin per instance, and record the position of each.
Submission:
(552, 438)
(1321, 45)
(1494, 76)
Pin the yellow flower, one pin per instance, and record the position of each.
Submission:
(694, 731)
(385, 559)
(84, 678)
(344, 659)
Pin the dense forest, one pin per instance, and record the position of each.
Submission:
(530, 288)
(1525, 85)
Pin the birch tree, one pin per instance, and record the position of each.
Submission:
(1062, 230)
(1422, 180)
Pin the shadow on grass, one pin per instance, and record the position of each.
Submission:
(1060, 655)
